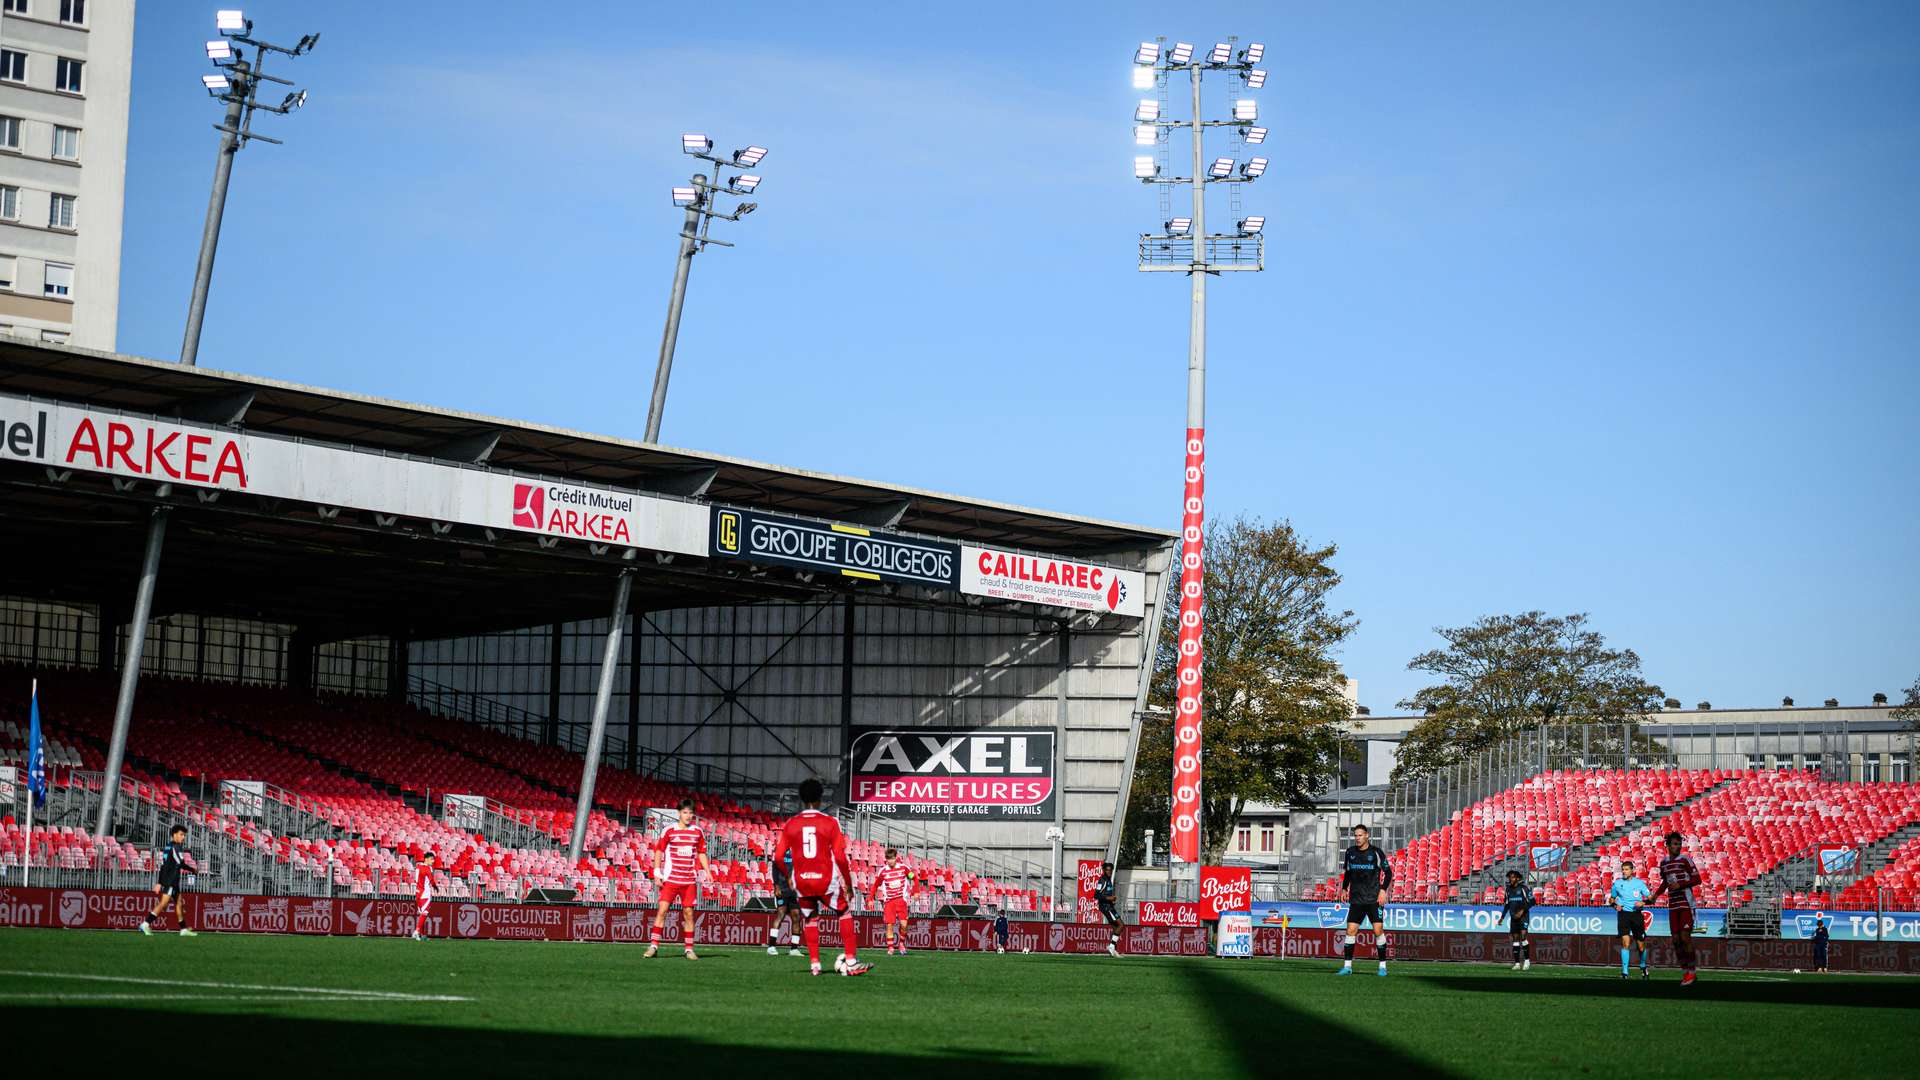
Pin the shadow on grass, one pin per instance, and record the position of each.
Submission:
(1272, 1039)
(1796, 990)
(284, 1046)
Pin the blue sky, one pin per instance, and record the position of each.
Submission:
(1612, 310)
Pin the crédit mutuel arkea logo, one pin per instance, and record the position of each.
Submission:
(529, 506)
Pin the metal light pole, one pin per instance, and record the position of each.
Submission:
(236, 82)
(1186, 247)
(702, 209)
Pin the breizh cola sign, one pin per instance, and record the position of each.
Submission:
(953, 772)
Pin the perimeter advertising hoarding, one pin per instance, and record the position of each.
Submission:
(193, 455)
(1476, 919)
(1056, 582)
(1223, 889)
(1086, 906)
(1797, 924)
(1236, 935)
(953, 772)
(848, 550)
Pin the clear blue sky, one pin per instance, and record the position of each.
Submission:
(1610, 310)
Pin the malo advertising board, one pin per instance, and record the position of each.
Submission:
(954, 772)
(190, 455)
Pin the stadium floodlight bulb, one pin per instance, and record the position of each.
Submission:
(1254, 168)
(219, 49)
(1254, 53)
(1145, 168)
(229, 19)
(1256, 79)
(1251, 226)
(1148, 53)
(1143, 78)
(745, 183)
(695, 143)
(1256, 135)
(1246, 110)
(1180, 226)
(1221, 53)
(750, 156)
(1180, 53)
(685, 196)
(214, 82)
(1145, 135)
(1148, 112)
(1221, 168)
(294, 100)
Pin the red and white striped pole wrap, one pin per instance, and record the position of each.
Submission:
(1184, 837)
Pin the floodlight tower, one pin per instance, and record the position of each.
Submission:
(700, 201)
(236, 82)
(1185, 246)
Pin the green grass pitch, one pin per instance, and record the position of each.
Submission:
(272, 1006)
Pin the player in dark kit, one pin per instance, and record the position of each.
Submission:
(1678, 878)
(1516, 910)
(173, 859)
(1103, 895)
(789, 913)
(1367, 878)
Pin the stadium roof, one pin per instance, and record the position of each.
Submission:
(347, 576)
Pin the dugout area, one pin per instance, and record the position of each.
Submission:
(749, 666)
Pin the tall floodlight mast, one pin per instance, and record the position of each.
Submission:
(1184, 246)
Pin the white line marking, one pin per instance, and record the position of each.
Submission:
(309, 999)
(372, 995)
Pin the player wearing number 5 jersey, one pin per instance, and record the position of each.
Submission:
(822, 875)
(678, 860)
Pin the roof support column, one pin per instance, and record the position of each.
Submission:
(602, 699)
(550, 731)
(847, 631)
(130, 668)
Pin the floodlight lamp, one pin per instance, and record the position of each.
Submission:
(1143, 78)
(1256, 79)
(294, 100)
(744, 183)
(1148, 53)
(307, 42)
(1145, 168)
(1253, 53)
(1254, 167)
(1221, 53)
(229, 19)
(695, 143)
(1251, 226)
(1246, 110)
(1180, 226)
(1256, 135)
(1148, 111)
(685, 196)
(219, 49)
(746, 208)
(1221, 168)
(750, 156)
(214, 83)
(1180, 53)
(1145, 135)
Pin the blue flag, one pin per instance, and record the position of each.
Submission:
(36, 752)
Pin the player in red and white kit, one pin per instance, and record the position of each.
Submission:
(892, 886)
(1678, 878)
(422, 896)
(679, 858)
(822, 875)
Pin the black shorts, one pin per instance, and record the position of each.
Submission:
(168, 890)
(1362, 913)
(786, 898)
(1633, 924)
(1517, 925)
(1107, 912)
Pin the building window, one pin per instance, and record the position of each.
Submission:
(1266, 838)
(1243, 839)
(1899, 768)
(13, 65)
(73, 11)
(60, 211)
(66, 143)
(57, 337)
(6, 271)
(16, 7)
(66, 75)
(59, 279)
(9, 202)
(1870, 768)
(9, 132)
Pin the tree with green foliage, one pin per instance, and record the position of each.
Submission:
(1505, 674)
(1909, 710)
(1274, 708)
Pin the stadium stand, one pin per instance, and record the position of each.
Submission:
(360, 777)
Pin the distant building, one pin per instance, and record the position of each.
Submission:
(66, 69)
